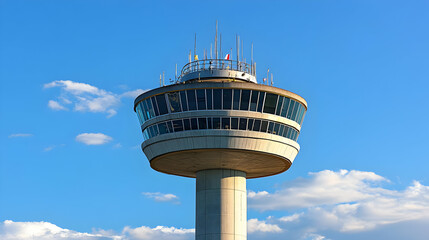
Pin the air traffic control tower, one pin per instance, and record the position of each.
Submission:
(218, 125)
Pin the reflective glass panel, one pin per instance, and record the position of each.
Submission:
(282, 127)
(177, 125)
(276, 128)
(257, 125)
(245, 97)
(162, 104)
(289, 133)
(145, 110)
(243, 124)
(155, 130)
(227, 99)
(209, 93)
(234, 123)
(261, 101)
(202, 123)
(279, 105)
(201, 99)
(194, 124)
(209, 123)
(192, 101)
(289, 111)
(225, 123)
(270, 103)
(151, 132)
(236, 102)
(295, 110)
(186, 124)
(285, 132)
(285, 107)
(184, 101)
(170, 127)
(216, 123)
(270, 127)
(155, 106)
(174, 99)
(217, 98)
(250, 124)
(254, 100)
(162, 128)
(264, 126)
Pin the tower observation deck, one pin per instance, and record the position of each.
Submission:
(218, 125)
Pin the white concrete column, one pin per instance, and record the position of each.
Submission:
(221, 208)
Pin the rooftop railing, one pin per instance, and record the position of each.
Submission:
(222, 64)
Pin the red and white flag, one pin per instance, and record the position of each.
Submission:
(227, 57)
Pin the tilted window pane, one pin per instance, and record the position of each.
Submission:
(216, 123)
(243, 124)
(301, 113)
(201, 99)
(194, 124)
(174, 99)
(162, 104)
(202, 123)
(236, 102)
(291, 106)
(285, 132)
(146, 110)
(170, 127)
(264, 126)
(162, 128)
(261, 101)
(276, 129)
(186, 124)
(142, 107)
(289, 133)
(192, 101)
(234, 123)
(139, 114)
(302, 118)
(279, 105)
(184, 101)
(209, 93)
(250, 124)
(155, 106)
(155, 129)
(282, 127)
(225, 123)
(295, 110)
(270, 127)
(257, 125)
(227, 99)
(245, 97)
(270, 103)
(285, 107)
(254, 100)
(151, 132)
(177, 125)
(217, 98)
(209, 123)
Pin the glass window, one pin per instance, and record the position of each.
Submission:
(162, 104)
(209, 123)
(295, 111)
(245, 97)
(301, 113)
(225, 123)
(186, 124)
(289, 133)
(155, 130)
(270, 103)
(234, 123)
(282, 127)
(261, 101)
(145, 134)
(243, 124)
(192, 102)
(279, 105)
(227, 99)
(302, 118)
(209, 99)
(254, 100)
(155, 106)
(285, 107)
(236, 102)
(145, 110)
(194, 124)
(139, 114)
(270, 127)
(276, 129)
(201, 99)
(250, 124)
(285, 132)
(217, 98)
(257, 125)
(202, 123)
(162, 128)
(177, 125)
(289, 111)
(216, 123)
(151, 132)
(184, 101)
(174, 99)
(264, 126)
(170, 127)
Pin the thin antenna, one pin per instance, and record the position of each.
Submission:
(190, 56)
(195, 47)
(216, 41)
(160, 80)
(237, 47)
(268, 74)
(242, 49)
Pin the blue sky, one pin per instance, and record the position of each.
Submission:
(70, 161)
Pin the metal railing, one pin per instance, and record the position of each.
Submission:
(210, 64)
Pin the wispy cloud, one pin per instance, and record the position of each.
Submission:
(93, 138)
(87, 98)
(255, 225)
(162, 197)
(20, 135)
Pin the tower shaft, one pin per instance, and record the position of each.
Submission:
(221, 205)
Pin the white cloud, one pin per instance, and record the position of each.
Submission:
(87, 98)
(161, 197)
(159, 232)
(255, 225)
(54, 105)
(18, 135)
(93, 138)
